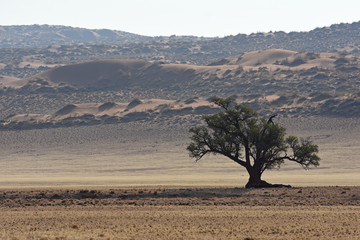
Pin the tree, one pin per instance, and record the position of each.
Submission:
(253, 142)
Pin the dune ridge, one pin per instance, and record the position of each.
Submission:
(288, 82)
(129, 73)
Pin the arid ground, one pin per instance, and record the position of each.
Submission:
(136, 181)
(151, 154)
(181, 213)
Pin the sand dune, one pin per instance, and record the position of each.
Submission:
(109, 112)
(262, 57)
(96, 113)
(120, 74)
(125, 74)
(10, 81)
(89, 74)
(283, 59)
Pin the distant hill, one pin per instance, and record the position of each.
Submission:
(39, 36)
(76, 45)
(337, 37)
(287, 82)
(45, 35)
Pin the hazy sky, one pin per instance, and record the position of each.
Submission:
(182, 17)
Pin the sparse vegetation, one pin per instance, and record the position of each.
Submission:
(252, 142)
(191, 213)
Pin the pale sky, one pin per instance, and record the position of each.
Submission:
(182, 17)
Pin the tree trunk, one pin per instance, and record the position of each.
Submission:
(255, 179)
(256, 182)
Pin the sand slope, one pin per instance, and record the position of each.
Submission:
(122, 74)
(283, 59)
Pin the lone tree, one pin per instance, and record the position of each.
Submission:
(253, 142)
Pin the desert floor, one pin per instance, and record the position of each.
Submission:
(181, 213)
(136, 181)
(154, 153)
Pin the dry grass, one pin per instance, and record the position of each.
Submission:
(181, 213)
(180, 222)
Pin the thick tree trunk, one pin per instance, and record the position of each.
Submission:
(256, 182)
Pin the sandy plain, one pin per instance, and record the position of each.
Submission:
(154, 153)
(136, 181)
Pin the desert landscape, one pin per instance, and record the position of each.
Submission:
(116, 182)
(94, 126)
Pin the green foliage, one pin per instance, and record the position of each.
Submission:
(251, 141)
(304, 153)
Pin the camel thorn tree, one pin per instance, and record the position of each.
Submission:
(255, 143)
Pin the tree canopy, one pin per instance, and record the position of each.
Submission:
(253, 142)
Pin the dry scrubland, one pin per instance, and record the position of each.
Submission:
(188, 213)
